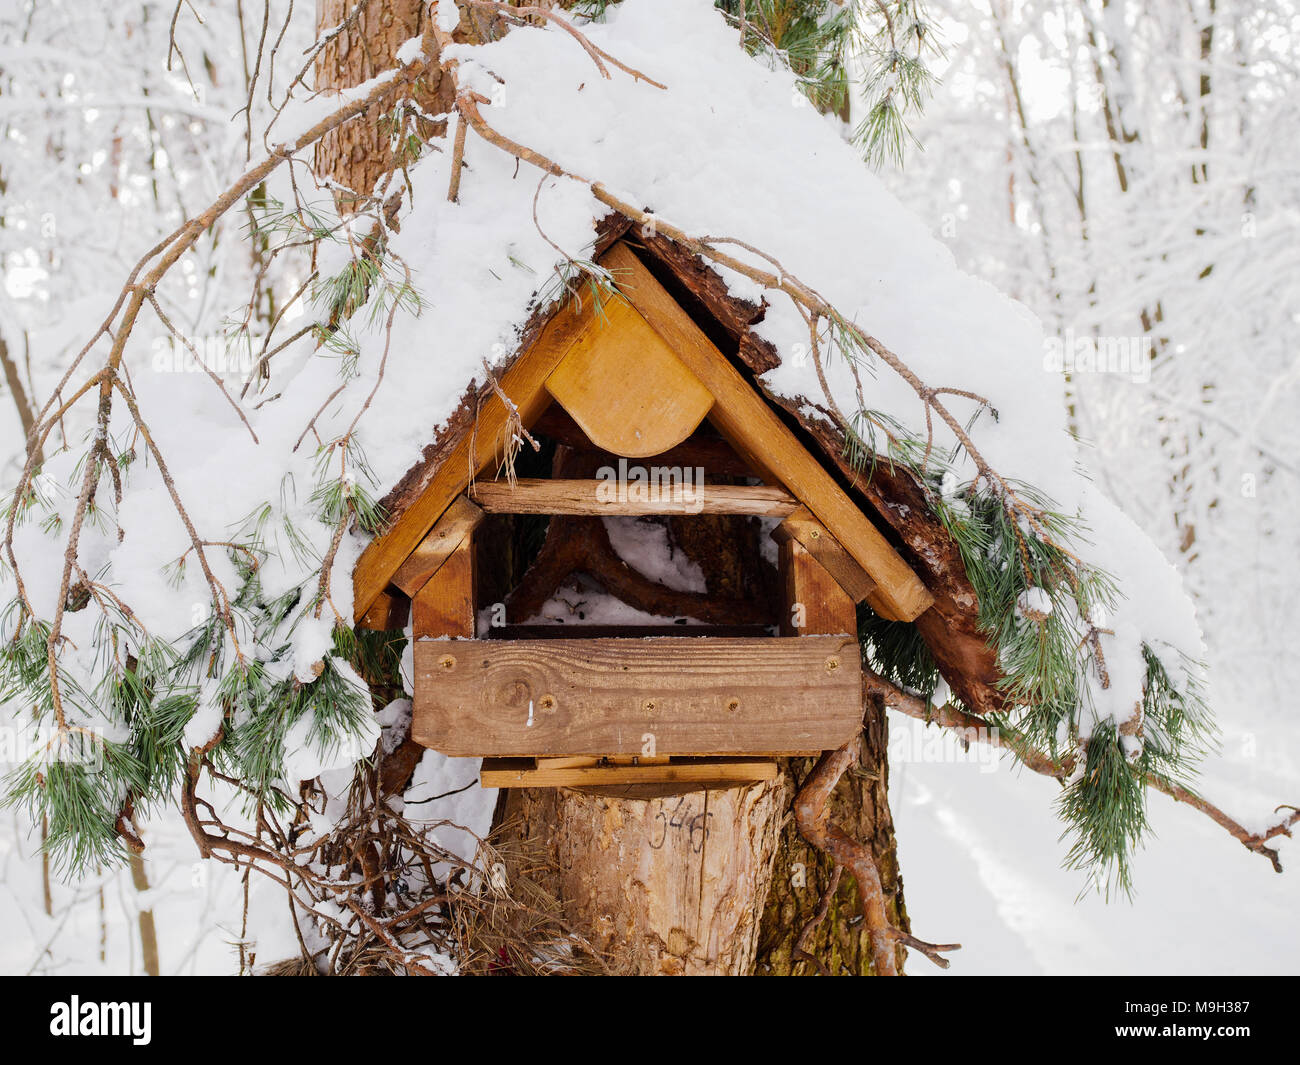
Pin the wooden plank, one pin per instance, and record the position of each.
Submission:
(663, 696)
(755, 431)
(580, 760)
(568, 762)
(459, 521)
(522, 773)
(386, 612)
(629, 393)
(816, 539)
(577, 322)
(445, 605)
(665, 494)
(814, 602)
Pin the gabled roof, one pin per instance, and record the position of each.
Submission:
(677, 373)
(639, 375)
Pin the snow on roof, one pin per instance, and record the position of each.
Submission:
(730, 149)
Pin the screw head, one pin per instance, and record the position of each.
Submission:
(832, 664)
(547, 702)
(447, 661)
(733, 705)
(649, 704)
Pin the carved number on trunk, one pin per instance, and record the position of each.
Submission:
(695, 826)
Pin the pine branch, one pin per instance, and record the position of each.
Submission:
(973, 729)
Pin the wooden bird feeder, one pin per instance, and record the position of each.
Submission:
(636, 379)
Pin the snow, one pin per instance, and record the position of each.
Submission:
(312, 640)
(1034, 603)
(581, 601)
(883, 270)
(701, 155)
(726, 151)
(311, 750)
(206, 722)
(991, 835)
(446, 14)
(645, 546)
(463, 817)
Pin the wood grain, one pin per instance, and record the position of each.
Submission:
(661, 885)
(549, 698)
(814, 602)
(459, 521)
(816, 539)
(629, 393)
(523, 383)
(702, 448)
(760, 437)
(523, 773)
(386, 612)
(445, 605)
(542, 496)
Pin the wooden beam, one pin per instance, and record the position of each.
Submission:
(754, 430)
(629, 393)
(522, 773)
(459, 521)
(386, 612)
(661, 495)
(814, 602)
(577, 322)
(666, 696)
(445, 605)
(817, 540)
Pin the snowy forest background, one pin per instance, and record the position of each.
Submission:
(1129, 169)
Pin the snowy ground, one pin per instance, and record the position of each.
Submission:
(982, 865)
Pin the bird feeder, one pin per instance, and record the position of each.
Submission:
(636, 381)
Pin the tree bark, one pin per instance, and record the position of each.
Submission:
(665, 884)
(15, 383)
(148, 931)
(837, 945)
(358, 153)
(715, 882)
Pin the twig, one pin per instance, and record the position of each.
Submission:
(597, 54)
(973, 729)
(812, 815)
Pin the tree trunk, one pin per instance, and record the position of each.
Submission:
(716, 882)
(666, 884)
(357, 153)
(839, 942)
(148, 931)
